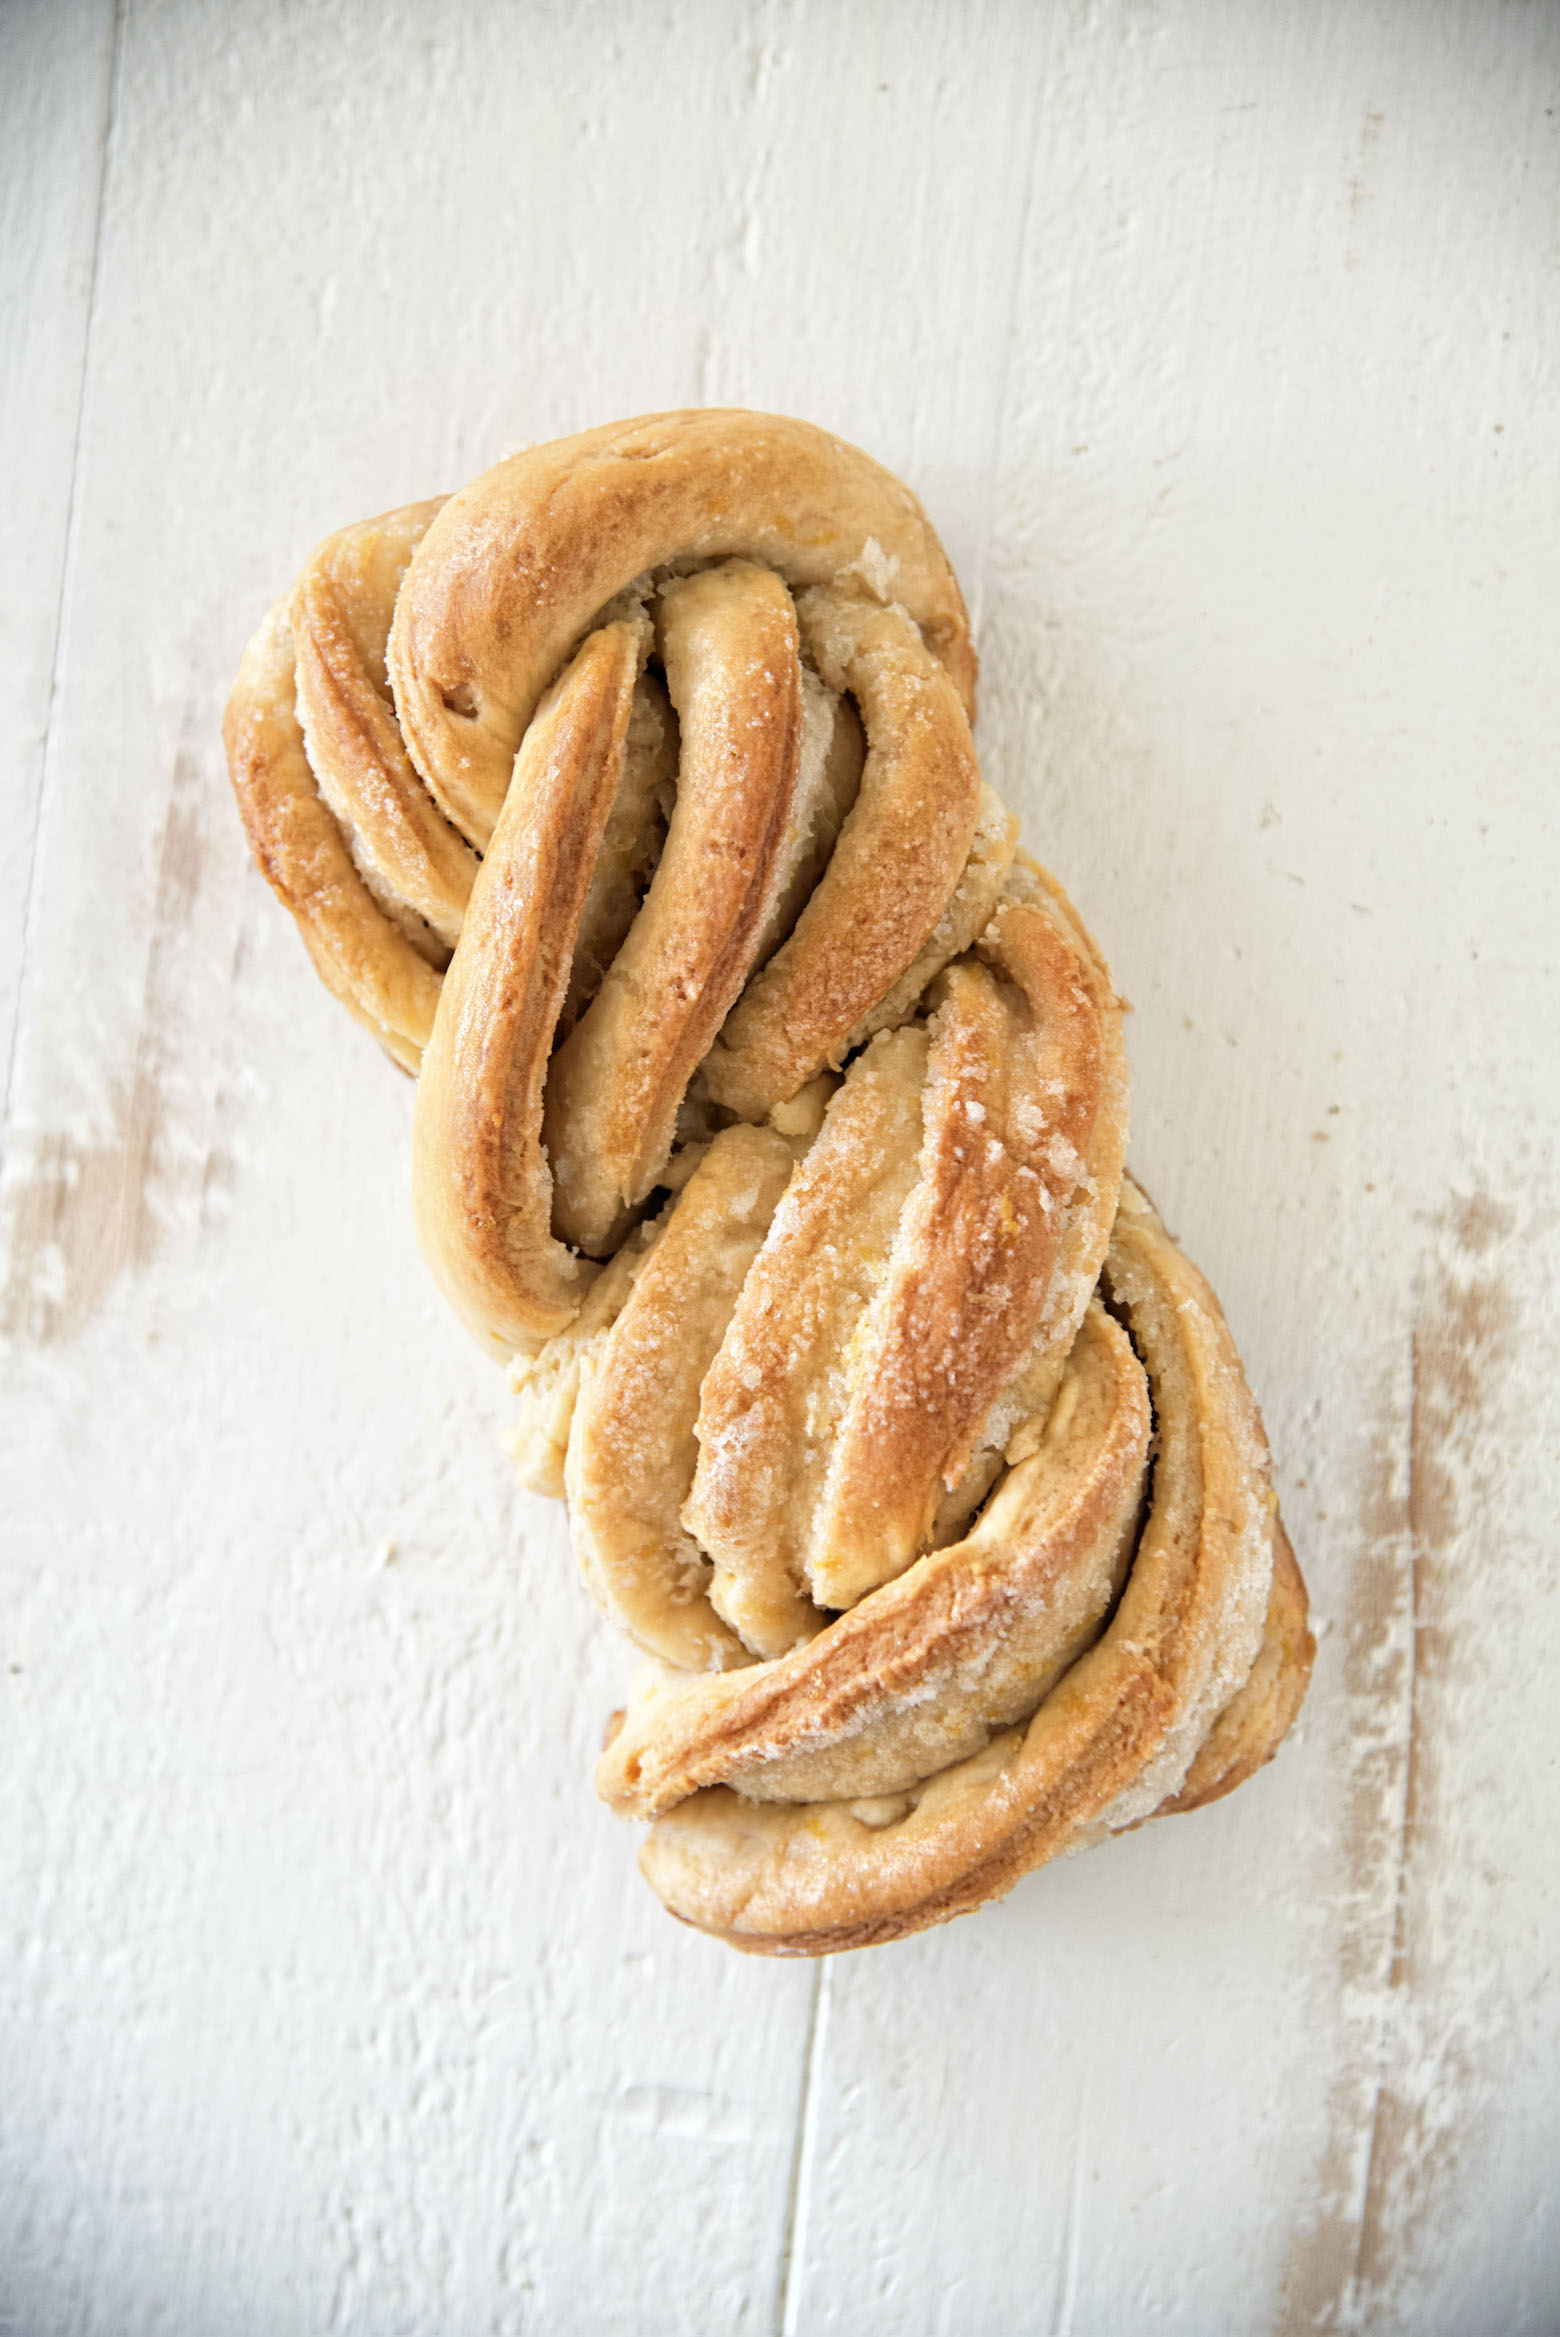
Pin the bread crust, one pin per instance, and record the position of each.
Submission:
(361, 956)
(1122, 1727)
(518, 564)
(481, 1189)
(771, 1124)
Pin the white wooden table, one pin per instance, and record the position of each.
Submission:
(1220, 336)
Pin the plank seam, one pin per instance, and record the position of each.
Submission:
(783, 2324)
(111, 117)
(1072, 2252)
(1004, 386)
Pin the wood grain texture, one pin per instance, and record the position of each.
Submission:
(56, 106)
(1218, 341)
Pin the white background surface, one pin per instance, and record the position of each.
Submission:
(1220, 337)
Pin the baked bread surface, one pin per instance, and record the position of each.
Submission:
(770, 1124)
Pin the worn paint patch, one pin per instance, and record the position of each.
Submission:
(81, 1211)
(79, 1218)
(1359, 180)
(1424, 2037)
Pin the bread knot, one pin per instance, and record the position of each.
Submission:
(770, 1122)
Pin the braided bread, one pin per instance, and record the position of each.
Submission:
(770, 1123)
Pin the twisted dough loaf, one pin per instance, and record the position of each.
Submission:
(770, 1120)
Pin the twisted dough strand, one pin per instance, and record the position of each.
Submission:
(771, 1121)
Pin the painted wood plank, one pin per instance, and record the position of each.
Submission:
(1267, 605)
(394, 1981)
(56, 75)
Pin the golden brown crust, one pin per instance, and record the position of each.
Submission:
(1022, 1158)
(383, 981)
(896, 865)
(940, 1240)
(480, 1184)
(631, 1447)
(1252, 1726)
(517, 565)
(360, 801)
(657, 739)
(776, 1390)
(419, 869)
(1111, 1741)
(923, 1671)
(728, 639)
